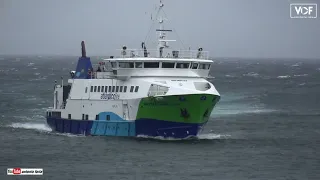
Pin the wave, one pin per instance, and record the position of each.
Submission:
(300, 75)
(35, 126)
(231, 111)
(283, 77)
(297, 64)
(251, 74)
(207, 136)
(42, 128)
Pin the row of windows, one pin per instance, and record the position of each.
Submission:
(112, 89)
(163, 65)
(86, 117)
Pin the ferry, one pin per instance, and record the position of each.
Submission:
(163, 92)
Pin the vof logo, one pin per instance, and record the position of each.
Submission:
(303, 10)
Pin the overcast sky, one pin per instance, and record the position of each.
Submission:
(226, 28)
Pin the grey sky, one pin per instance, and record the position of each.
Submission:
(227, 28)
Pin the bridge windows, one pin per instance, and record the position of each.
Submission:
(95, 88)
(69, 116)
(183, 65)
(86, 90)
(102, 88)
(117, 89)
(98, 88)
(165, 64)
(125, 89)
(138, 64)
(113, 88)
(126, 65)
(91, 89)
(151, 64)
(108, 117)
(168, 65)
(131, 88)
(97, 117)
(204, 66)
(136, 89)
(121, 87)
(194, 66)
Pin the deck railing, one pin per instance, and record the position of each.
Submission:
(184, 54)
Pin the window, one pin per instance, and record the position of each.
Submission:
(95, 88)
(109, 88)
(138, 64)
(126, 65)
(121, 87)
(102, 88)
(82, 116)
(108, 117)
(87, 117)
(69, 116)
(91, 89)
(56, 114)
(106, 89)
(98, 88)
(204, 66)
(125, 89)
(194, 65)
(97, 117)
(113, 88)
(136, 89)
(167, 65)
(182, 65)
(151, 65)
(117, 89)
(131, 88)
(85, 91)
(113, 64)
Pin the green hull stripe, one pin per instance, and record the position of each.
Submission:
(192, 108)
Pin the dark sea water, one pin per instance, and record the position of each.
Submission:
(266, 127)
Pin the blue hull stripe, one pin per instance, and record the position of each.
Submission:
(145, 127)
(153, 128)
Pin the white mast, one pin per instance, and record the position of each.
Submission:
(162, 34)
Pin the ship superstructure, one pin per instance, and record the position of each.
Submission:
(140, 92)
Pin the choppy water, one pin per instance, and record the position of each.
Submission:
(266, 126)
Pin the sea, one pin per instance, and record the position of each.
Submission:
(265, 127)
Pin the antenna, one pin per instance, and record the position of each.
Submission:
(162, 41)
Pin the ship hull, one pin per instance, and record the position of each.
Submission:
(140, 127)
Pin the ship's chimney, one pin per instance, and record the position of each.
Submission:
(83, 49)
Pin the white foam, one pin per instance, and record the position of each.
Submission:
(283, 77)
(208, 136)
(297, 64)
(251, 74)
(213, 136)
(36, 126)
(299, 75)
(30, 64)
(235, 109)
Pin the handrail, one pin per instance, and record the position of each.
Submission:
(185, 54)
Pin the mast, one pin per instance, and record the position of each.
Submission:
(162, 34)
